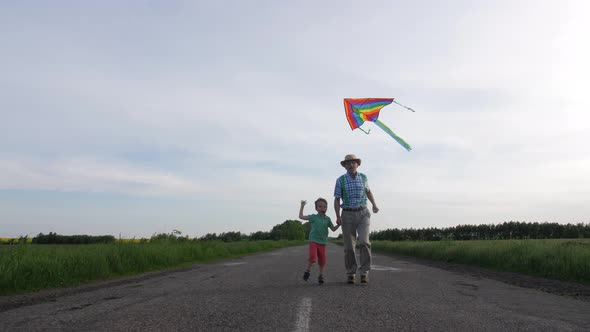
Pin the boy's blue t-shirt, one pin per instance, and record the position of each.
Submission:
(319, 228)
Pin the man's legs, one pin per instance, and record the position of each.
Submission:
(363, 229)
(349, 239)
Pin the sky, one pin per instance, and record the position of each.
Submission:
(140, 117)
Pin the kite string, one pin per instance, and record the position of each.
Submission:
(403, 106)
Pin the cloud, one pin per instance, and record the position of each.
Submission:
(91, 175)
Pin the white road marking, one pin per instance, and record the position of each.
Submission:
(384, 268)
(303, 313)
(232, 264)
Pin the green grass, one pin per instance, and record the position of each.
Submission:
(564, 259)
(26, 268)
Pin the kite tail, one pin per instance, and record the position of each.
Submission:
(393, 135)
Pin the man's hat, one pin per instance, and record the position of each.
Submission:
(350, 157)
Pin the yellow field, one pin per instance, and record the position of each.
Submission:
(12, 240)
(128, 240)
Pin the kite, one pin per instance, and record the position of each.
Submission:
(359, 110)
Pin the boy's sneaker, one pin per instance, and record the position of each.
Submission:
(364, 279)
(350, 280)
(306, 275)
(321, 279)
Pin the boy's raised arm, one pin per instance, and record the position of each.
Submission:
(301, 216)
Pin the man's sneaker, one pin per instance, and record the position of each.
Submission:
(350, 280)
(364, 279)
(306, 275)
(321, 279)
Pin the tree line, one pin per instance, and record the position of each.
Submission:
(513, 230)
(54, 238)
(288, 230)
(296, 230)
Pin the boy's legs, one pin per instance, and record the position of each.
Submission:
(313, 254)
(321, 256)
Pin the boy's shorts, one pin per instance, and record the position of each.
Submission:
(317, 252)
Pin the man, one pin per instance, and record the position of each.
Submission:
(353, 189)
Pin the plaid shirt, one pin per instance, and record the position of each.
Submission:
(356, 191)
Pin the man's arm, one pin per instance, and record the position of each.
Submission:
(337, 210)
(335, 228)
(372, 199)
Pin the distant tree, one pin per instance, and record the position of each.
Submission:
(260, 236)
(174, 236)
(209, 237)
(506, 230)
(306, 229)
(288, 230)
(53, 238)
(230, 237)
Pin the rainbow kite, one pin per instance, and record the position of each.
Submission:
(359, 110)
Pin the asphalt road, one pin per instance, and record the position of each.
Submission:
(265, 292)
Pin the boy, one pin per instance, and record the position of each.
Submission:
(318, 236)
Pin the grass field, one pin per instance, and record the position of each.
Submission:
(564, 259)
(26, 268)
